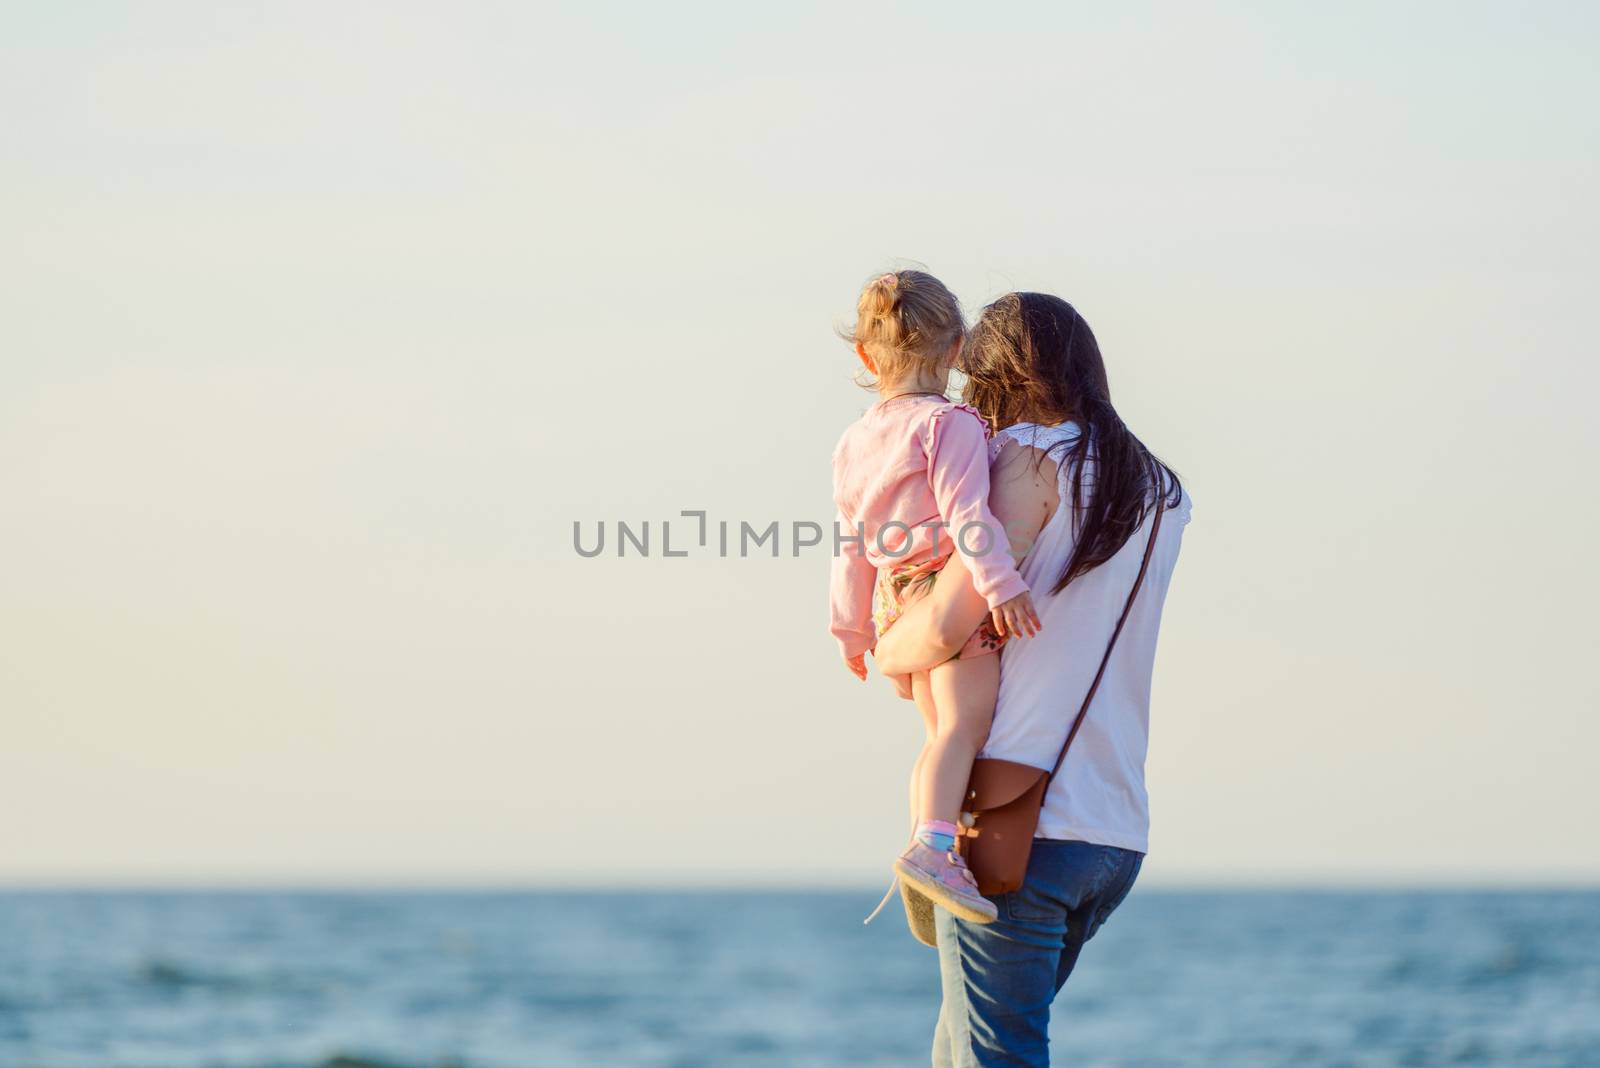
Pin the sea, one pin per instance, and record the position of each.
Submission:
(748, 979)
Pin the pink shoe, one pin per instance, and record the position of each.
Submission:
(946, 880)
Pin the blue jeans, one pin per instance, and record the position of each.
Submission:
(999, 979)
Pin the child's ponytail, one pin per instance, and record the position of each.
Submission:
(906, 318)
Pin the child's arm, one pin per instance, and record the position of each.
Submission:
(850, 601)
(958, 474)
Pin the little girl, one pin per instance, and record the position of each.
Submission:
(911, 481)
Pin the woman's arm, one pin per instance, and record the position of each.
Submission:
(1023, 497)
(934, 629)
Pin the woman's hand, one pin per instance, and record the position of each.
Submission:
(1016, 617)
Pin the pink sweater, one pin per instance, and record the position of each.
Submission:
(913, 460)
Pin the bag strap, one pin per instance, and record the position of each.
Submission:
(1149, 549)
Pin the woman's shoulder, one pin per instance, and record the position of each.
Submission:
(1040, 436)
(1023, 465)
(1028, 461)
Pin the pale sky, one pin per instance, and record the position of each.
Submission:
(321, 324)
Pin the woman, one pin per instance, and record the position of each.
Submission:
(1077, 494)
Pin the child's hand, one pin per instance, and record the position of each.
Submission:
(1017, 617)
(857, 665)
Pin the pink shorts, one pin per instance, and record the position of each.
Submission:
(899, 587)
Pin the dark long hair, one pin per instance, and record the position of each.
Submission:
(1031, 358)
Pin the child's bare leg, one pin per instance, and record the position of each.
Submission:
(963, 694)
(923, 696)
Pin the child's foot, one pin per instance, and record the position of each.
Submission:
(919, 915)
(945, 877)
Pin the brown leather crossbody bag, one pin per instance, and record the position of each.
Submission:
(1001, 811)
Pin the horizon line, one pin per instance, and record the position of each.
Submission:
(488, 884)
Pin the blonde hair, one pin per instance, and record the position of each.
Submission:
(907, 321)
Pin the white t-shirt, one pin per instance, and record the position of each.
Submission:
(1100, 795)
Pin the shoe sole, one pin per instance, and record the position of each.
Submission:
(941, 895)
(919, 916)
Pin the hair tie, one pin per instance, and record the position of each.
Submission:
(891, 279)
